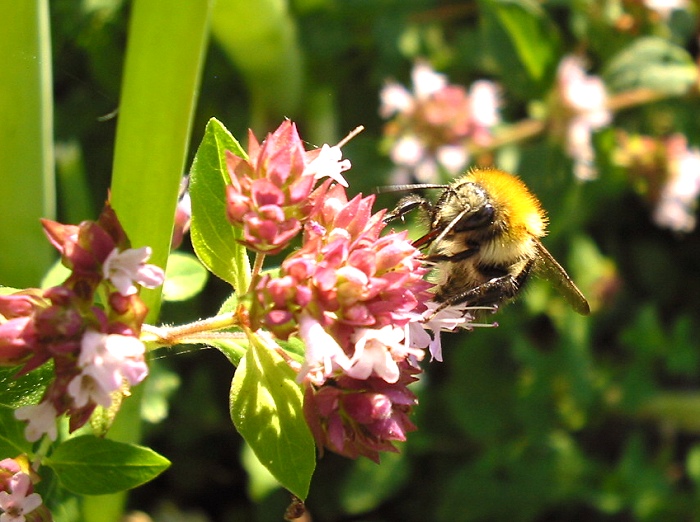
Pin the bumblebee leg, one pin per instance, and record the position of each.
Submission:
(406, 205)
(492, 292)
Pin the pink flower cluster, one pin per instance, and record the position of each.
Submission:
(269, 192)
(18, 501)
(433, 127)
(356, 299)
(361, 417)
(349, 294)
(95, 349)
(677, 203)
(359, 288)
(667, 171)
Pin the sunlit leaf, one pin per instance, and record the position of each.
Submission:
(266, 408)
(215, 240)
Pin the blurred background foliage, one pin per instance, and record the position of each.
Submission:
(550, 416)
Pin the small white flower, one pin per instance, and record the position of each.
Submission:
(185, 204)
(408, 151)
(18, 504)
(587, 96)
(484, 101)
(426, 81)
(395, 98)
(378, 350)
(579, 146)
(427, 170)
(329, 163)
(129, 351)
(41, 420)
(125, 268)
(84, 388)
(323, 355)
(453, 158)
(665, 7)
(106, 361)
(446, 320)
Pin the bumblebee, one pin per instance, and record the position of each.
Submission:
(484, 240)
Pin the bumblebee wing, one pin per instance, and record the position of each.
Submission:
(550, 269)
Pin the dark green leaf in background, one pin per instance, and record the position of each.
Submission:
(652, 63)
(532, 36)
(185, 277)
(261, 39)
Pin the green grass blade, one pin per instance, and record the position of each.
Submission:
(26, 135)
(163, 66)
(165, 53)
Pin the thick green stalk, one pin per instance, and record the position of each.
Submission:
(162, 72)
(26, 135)
(165, 52)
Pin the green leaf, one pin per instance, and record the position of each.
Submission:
(260, 481)
(26, 389)
(678, 409)
(185, 277)
(233, 349)
(533, 37)
(90, 465)
(294, 346)
(266, 408)
(214, 239)
(12, 441)
(652, 63)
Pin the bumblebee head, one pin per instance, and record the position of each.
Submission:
(463, 207)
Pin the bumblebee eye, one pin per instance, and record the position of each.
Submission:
(478, 218)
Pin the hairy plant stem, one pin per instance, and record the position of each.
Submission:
(257, 268)
(192, 333)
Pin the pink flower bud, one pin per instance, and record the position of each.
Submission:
(14, 348)
(20, 304)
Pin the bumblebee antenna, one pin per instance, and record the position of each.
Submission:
(403, 188)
